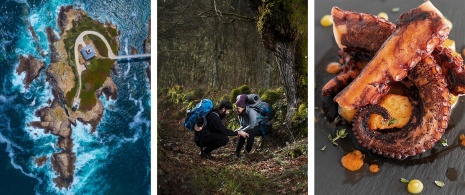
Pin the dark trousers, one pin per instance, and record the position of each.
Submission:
(211, 141)
(256, 131)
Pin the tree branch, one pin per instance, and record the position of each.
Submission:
(231, 15)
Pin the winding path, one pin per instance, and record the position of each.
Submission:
(80, 67)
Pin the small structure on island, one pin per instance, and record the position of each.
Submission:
(88, 52)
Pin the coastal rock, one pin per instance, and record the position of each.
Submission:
(51, 37)
(93, 116)
(63, 164)
(40, 161)
(109, 89)
(31, 66)
(53, 120)
(65, 143)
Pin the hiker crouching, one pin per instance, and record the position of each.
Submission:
(252, 122)
(214, 134)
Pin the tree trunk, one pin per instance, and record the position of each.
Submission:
(216, 63)
(284, 54)
(268, 70)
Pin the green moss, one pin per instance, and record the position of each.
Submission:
(245, 89)
(270, 96)
(192, 95)
(234, 94)
(300, 120)
(261, 91)
(92, 79)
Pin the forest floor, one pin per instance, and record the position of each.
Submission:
(266, 170)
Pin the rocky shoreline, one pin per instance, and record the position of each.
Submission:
(31, 66)
(57, 117)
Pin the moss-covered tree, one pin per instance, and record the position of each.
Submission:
(282, 25)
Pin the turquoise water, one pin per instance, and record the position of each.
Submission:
(113, 160)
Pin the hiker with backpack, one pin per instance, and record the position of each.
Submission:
(210, 133)
(255, 119)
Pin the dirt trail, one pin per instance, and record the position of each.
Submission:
(181, 170)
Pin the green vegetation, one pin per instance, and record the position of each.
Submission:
(300, 119)
(244, 89)
(92, 79)
(99, 45)
(229, 181)
(271, 96)
(70, 95)
(86, 23)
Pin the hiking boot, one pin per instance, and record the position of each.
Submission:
(206, 155)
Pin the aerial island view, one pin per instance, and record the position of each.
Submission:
(75, 97)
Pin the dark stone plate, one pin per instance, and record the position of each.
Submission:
(445, 164)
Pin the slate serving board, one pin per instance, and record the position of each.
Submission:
(445, 164)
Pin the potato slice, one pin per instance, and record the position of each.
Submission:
(399, 108)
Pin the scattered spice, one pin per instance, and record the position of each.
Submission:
(323, 148)
(392, 121)
(326, 21)
(444, 143)
(403, 180)
(353, 160)
(440, 183)
(395, 9)
(339, 135)
(383, 15)
(334, 68)
(374, 168)
(462, 139)
(415, 186)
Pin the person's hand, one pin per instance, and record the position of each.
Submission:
(243, 134)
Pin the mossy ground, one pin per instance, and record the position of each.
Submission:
(92, 79)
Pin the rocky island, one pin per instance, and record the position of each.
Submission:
(63, 75)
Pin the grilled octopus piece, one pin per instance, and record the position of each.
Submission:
(427, 123)
(359, 36)
(418, 32)
(453, 69)
(357, 33)
(351, 68)
(365, 46)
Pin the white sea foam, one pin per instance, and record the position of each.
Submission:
(11, 153)
(17, 80)
(138, 119)
(33, 19)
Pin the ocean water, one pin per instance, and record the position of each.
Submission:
(113, 160)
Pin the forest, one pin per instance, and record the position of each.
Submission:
(219, 49)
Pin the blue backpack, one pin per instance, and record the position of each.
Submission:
(200, 111)
(264, 109)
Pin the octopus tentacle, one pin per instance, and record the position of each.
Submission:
(453, 68)
(365, 31)
(428, 121)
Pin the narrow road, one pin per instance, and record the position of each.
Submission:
(81, 67)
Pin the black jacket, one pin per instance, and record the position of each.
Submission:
(214, 124)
